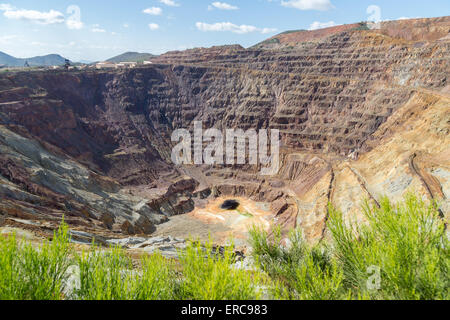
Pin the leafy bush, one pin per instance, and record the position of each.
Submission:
(401, 253)
(104, 275)
(47, 272)
(33, 273)
(10, 284)
(362, 26)
(157, 281)
(406, 242)
(209, 275)
(303, 272)
(109, 275)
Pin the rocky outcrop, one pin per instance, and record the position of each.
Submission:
(37, 184)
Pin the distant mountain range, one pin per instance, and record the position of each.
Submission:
(57, 60)
(48, 60)
(131, 57)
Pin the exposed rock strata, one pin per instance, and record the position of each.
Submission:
(361, 113)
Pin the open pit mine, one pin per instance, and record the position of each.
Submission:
(361, 113)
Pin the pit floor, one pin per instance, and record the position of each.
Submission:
(219, 224)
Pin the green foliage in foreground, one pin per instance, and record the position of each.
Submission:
(33, 273)
(109, 275)
(211, 276)
(401, 253)
(303, 272)
(54, 271)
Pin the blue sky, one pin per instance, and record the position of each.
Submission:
(104, 28)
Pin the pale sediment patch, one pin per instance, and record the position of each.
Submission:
(220, 224)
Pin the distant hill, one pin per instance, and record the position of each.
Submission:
(293, 38)
(417, 29)
(131, 57)
(48, 60)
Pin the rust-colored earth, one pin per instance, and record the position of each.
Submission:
(361, 112)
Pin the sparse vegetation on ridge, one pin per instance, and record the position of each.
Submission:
(401, 253)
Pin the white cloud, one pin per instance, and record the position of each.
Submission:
(321, 5)
(6, 7)
(153, 26)
(268, 30)
(222, 6)
(96, 28)
(228, 26)
(169, 3)
(320, 25)
(155, 11)
(407, 18)
(126, 25)
(50, 17)
(74, 24)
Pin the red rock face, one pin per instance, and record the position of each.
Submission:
(403, 30)
(417, 29)
(328, 94)
(295, 38)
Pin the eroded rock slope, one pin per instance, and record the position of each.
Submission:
(362, 113)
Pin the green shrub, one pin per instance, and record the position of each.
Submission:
(400, 253)
(10, 287)
(362, 26)
(407, 242)
(208, 275)
(157, 281)
(109, 275)
(104, 275)
(303, 272)
(34, 273)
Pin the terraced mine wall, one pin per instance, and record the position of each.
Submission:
(95, 146)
